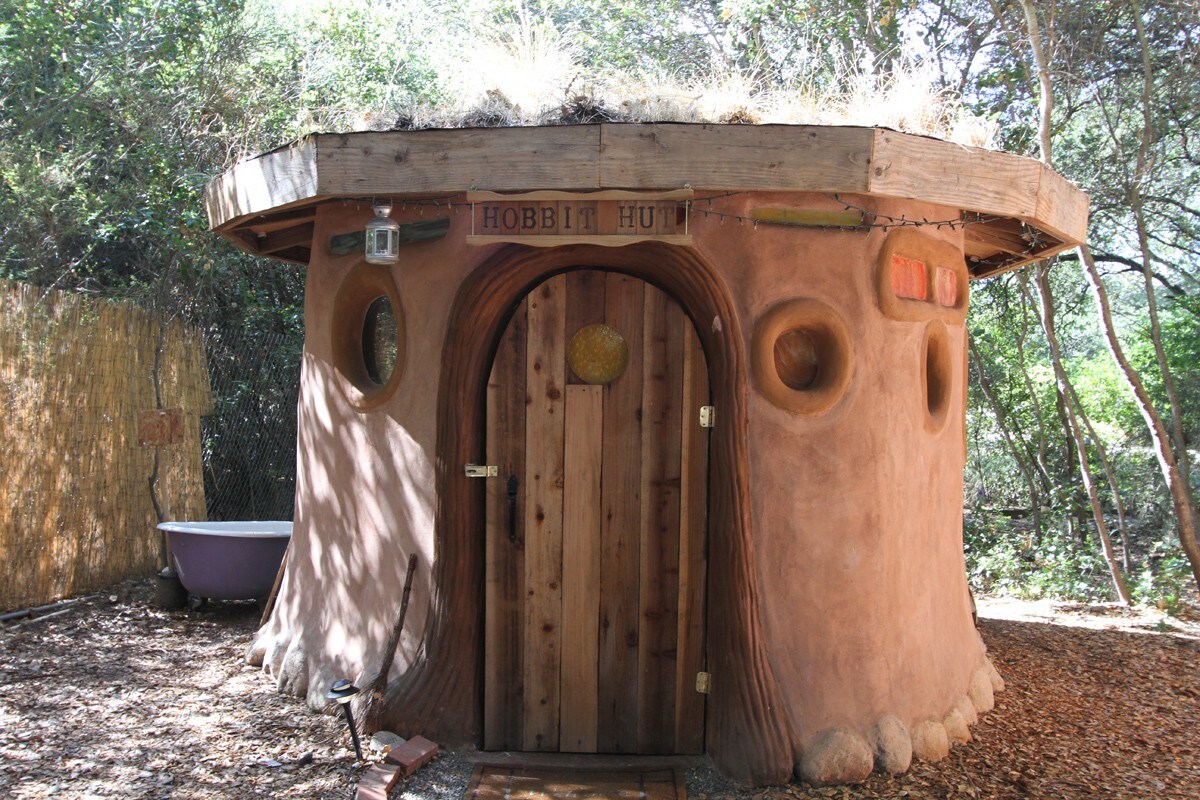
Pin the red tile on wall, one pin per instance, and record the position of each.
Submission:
(908, 278)
(947, 287)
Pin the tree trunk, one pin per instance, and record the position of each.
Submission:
(1101, 450)
(1181, 499)
(1085, 470)
(1023, 280)
(1001, 422)
(1142, 166)
(1106, 465)
(1045, 91)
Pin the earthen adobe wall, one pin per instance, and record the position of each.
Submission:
(854, 500)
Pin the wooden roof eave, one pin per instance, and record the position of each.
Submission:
(264, 203)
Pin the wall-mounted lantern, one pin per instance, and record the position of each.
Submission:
(383, 236)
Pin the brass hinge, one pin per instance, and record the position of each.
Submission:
(708, 416)
(481, 471)
(703, 682)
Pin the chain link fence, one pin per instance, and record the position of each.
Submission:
(249, 439)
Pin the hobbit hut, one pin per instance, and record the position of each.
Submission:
(673, 417)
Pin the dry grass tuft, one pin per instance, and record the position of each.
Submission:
(530, 74)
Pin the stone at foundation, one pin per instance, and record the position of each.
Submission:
(893, 745)
(293, 674)
(994, 676)
(929, 741)
(956, 727)
(981, 691)
(967, 708)
(256, 652)
(836, 756)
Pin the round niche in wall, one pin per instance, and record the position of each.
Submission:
(801, 358)
(796, 359)
(936, 374)
(368, 336)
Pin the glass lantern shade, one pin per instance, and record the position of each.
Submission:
(383, 237)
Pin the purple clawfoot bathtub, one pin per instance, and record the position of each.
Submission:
(228, 560)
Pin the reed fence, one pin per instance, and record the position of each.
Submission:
(75, 507)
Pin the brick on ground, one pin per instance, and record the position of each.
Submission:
(412, 755)
(377, 782)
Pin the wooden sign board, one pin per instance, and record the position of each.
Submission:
(159, 427)
(549, 219)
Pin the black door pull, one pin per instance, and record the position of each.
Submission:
(513, 483)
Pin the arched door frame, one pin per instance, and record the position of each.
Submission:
(747, 733)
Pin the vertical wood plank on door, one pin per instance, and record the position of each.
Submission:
(585, 305)
(659, 584)
(621, 524)
(693, 557)
(546, 365)
(504, 559)
(581, 569)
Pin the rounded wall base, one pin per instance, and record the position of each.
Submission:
(840, 755)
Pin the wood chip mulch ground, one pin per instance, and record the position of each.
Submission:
(118, 699)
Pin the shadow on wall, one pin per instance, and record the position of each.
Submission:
(366, 502)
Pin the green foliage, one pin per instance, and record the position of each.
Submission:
(114, 114)
(1164, 585)
(1005, 559)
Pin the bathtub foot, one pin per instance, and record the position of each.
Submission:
(196, 603)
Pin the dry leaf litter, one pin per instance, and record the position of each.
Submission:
(119, 699)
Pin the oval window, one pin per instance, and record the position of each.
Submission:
(380, 340)
(367, 337)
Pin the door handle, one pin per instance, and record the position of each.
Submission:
(513, 483)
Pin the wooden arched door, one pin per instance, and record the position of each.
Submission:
(596, 526)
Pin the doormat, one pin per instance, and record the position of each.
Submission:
(539, 783)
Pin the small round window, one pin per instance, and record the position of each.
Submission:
(380, 342)
(367, 337)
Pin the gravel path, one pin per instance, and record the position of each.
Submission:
(117, 699)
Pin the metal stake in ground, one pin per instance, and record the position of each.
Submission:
(342, 692)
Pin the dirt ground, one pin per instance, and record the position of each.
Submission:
(118, 699)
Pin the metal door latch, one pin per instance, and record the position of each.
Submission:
(482, 471)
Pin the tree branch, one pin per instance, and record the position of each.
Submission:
(1131, 266)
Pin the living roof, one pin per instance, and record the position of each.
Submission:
(1014, 209)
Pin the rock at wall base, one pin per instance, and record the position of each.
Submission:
(929, 741)
(956, 727)
(981, 691)
(836, 756)
(893, 745)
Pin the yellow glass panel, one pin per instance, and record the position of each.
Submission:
(598, 354)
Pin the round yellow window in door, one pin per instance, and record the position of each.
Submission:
(598, 354)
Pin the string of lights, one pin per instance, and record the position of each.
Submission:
(702, 207)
